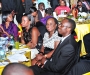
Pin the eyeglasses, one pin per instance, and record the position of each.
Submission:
(63, 26)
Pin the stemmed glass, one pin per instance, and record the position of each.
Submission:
(10, 47)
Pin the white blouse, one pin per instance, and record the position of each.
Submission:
(49, 42)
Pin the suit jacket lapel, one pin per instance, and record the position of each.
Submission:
(61, 45)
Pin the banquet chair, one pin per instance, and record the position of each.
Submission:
(41, 27)
(78, 51)
(80, 68)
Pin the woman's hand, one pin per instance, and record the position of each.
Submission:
(38, 63)
(4, 32)
(39, 57)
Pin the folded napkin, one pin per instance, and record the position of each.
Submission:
(17, 58)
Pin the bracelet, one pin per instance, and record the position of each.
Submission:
(41, 53)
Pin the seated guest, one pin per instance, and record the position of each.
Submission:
(30, 34)
(48, 14)
(33, 12)
(67, 4)
(41, 10)
(50, 40)
(80, 7)
(16, 69)
(86, 4)
(41, 24)
(62, 7)
(8, 27)
(63, 58)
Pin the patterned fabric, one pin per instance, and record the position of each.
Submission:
(11, 30)
(43, 20)
(49, 42)
(27, 38)
(27, 35)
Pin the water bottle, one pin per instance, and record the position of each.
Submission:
(2, 54)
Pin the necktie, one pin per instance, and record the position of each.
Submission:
(60, 41)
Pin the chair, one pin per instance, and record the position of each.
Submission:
(41, 27)
(78, 51)
(80, 68)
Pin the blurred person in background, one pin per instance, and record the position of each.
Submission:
(28, 4)
(54, 4)
(33, 11)
(8, 5)
(86, 4)
(62, 7)
(41, 25)
(46, 2)
(48, 14)
(80, 7)
(41, 10)
(19, 10)
(7, 26)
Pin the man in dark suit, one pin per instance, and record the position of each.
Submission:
(8, 5)
(28, 4)
(81, 7)
(63, 57)
(15, 6)
(41, 10)
(19, 10)
(54, 3)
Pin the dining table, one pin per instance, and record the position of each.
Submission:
(81, 30)
(23, 50)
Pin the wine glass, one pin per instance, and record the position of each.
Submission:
(10, 47)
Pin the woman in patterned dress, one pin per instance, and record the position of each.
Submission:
(50, 41)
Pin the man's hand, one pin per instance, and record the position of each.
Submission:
(41, 62)
(38, 63)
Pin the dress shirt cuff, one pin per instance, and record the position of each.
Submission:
(45, 62)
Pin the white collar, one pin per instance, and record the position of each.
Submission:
(63, 38)
(42, 12)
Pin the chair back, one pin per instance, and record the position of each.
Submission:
(80, 68)
(78, 51)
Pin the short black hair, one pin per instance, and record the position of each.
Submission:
(55, 20)
(32, 9)
(42, 4)
(5, 15)
(30, 18)
(49, 11)
(14, 67)
(73, 24)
